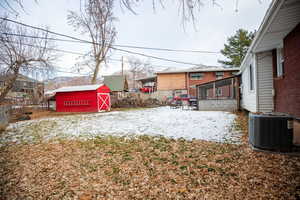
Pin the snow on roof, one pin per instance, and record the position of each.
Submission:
(78, 88)
(50, 92)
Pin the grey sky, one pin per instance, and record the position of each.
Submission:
(162, 29)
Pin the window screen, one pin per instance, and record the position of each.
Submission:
(280, 62)
(196, 76)
(219, 75)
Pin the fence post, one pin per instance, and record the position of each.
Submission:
(231, 89)
(214, 90)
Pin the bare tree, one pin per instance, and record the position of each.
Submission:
(188, 9)
(13, 6)
(138, 69)
(22, 55)
(96, 19)
(136, 66)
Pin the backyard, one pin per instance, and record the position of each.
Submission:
(157, 153)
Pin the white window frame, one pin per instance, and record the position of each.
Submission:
(219, 75)
(200, 77)
(219, 92)
(251, 77)
(280, 62)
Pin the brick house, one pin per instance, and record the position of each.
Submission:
(24, 88)
(184, 81)
(270, 72)
(287, 86)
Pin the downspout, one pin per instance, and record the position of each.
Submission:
(274, 70)
(188, 83)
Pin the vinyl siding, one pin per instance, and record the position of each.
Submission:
(249, 100)
(265, 81)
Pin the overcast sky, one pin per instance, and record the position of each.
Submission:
(162, 29)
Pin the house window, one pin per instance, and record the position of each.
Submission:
(280, 62)
(219, 75)
(251, 77)
(219, 92)
(196, 76)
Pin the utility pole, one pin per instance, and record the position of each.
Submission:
(122, 66)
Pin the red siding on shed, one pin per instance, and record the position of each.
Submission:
(103, 89)
(80, 101)
(287, 88)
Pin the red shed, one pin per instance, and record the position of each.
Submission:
(84, 98)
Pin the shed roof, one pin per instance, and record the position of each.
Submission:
(78, 88)
(116, 83)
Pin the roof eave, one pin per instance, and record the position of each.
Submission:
(270, 15)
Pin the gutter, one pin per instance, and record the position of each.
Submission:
(200, 70)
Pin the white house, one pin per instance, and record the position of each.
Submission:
(270, 72)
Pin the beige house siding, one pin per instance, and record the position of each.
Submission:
(171, 81)
(265, 81)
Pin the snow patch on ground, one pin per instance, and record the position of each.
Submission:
(174, 123)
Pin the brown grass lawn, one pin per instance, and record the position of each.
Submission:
(145, 168)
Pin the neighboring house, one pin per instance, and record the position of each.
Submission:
(117, 84)
(84, 98)
(25, 88)
(178, 82)
(270, 72)
(147, 84)
(219, 95)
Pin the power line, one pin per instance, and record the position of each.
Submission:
(74, 38)
(70, 72)
(57, 70)
(45, 30)
(77, 53)
(118, 45)
(166, 49)
(48, 48)
(154, 57)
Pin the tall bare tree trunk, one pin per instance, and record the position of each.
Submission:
(96, 71)
(8, 86)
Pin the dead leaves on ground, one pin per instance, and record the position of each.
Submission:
(145, 168)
